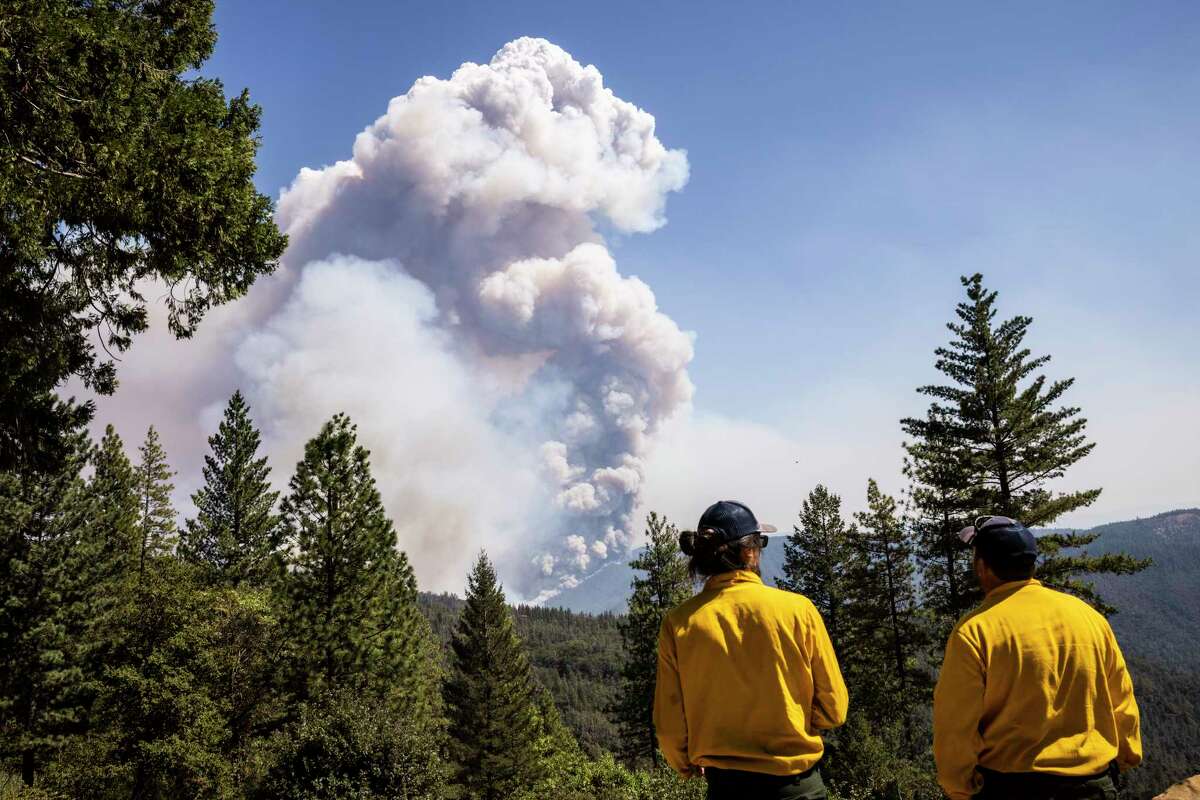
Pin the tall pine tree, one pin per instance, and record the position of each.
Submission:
(884, 610)
(1012, 436)
(235, 536)
(349, 596)
(42, 697)
(817, 560)
(664, 585)
(491, 695)
(942, 495)
(154, 487)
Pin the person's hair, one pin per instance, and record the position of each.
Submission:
(1020, 569)
(708, 554)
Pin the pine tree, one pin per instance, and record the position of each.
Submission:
(1013, 437)
(491, 695)
(235, 535)
(42, 684)
(349, 596)
(941, 499)
(818, 557)
(666, 584)
(157, 522)
(882, 660)
(156, 728)
(110, 551)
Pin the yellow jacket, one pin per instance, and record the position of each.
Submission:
(746, 677)
(1033, 681)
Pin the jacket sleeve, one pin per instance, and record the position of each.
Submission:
(957, 710)
(1125, 709)
(831, 700)
(670, 725)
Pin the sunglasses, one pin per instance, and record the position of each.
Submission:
(968, 534)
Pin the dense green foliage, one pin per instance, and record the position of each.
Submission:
(348, 596)
(664, 585)
(816, 557)
(494, 722)
(235, 533)
(119, 168)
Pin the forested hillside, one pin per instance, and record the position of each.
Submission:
(1158, 625)
(577, 657)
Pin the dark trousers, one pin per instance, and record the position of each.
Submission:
(1040, 786)
(734, 784)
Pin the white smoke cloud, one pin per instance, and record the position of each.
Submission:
(447, 287)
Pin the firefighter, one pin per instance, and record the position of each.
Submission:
(1033, 700)
(747, 676)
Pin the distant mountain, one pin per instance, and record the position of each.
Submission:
(1158, 609)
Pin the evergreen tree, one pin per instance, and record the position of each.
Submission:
(349, 596)
(42, 697)
(942, 497)
(666, 584)
(156, 729)
(115, 529)
(818, 558)
(882, 660)
(235, 535)
(490, 695)
(118, 166)
(154, 487)
(1011, 435)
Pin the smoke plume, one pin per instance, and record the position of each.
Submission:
(447, 286)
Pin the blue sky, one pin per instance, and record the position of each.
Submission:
(847, 165)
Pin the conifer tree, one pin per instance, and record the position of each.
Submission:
(1006, 422)
(941, 497)
(110, 551)
(235, 535)
(818, 559)
(491, 695)
(115, 530)
(349, 596)
(42, 697)
(884, 610)
(664, 585)
(156, 728)
(157, 522)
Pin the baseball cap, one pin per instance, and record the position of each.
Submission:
(1001, 540)
(731, 520)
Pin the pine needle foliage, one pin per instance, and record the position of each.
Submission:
(42, 617)
(888, 634)
(663, 584)
(235, 536)
(348, 595)
(1012, 436)
(942, 496)
(491, 697)
(154, 487)
(818, 556)
(118, 166)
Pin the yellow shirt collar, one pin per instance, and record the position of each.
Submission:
(1010, 587)
(730, 578)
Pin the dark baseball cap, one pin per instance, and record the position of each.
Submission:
(1001, 540)
(731, 520)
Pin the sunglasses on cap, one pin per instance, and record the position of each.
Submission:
(968, 534)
